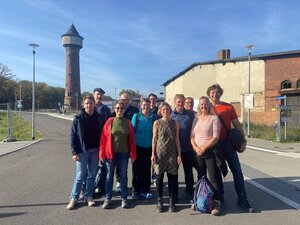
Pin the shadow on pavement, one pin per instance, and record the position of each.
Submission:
(32, 205)
(4, 215)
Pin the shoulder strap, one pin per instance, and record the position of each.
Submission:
(137, 119)
(220, 118)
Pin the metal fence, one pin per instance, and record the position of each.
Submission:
(6, 109)
(294, 103)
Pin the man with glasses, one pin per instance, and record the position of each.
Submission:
(189, 104)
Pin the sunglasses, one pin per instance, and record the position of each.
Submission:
(119, 108)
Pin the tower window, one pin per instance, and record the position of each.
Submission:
(298, 84)
(286, 84)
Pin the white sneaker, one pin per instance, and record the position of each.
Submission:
(71, 204)
(90, 201)
(106, 204)
(124, 204)
(118, 187)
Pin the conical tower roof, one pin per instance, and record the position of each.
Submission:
(72, 32)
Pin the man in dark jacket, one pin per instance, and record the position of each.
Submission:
(85, 136)
(104, 113)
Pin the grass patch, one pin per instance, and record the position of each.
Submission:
(268, 133)
(20, 128)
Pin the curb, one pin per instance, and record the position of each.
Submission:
(19, 148)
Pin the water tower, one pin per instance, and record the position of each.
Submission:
(72, 41)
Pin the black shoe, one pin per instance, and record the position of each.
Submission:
(172, 206)
(160, 205)
(244, 204)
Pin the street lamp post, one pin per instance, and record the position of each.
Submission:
(20, 102)
(249, 49)
(76, 95)
(34, 46)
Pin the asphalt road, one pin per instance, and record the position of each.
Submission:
(36, 183)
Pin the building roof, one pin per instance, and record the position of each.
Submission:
(72, 32)
(237, 59)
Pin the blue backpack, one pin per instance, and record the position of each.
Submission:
(203, 196)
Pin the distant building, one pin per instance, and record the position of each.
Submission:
(272, 75)
(72, 41)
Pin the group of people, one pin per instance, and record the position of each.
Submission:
(159, 138)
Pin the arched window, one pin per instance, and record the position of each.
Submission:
(286, 84)
(298, 84)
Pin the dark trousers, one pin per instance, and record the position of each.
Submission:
(189, 162)
(141, 171)
(172, 182)
(209, 163)
(233, 161)
(118, 173)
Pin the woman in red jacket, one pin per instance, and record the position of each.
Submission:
(117, 145)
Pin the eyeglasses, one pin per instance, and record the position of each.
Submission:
(188, 103)
(125, 99)
(119, 108)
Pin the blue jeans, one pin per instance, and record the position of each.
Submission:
(86, 169)
(122, 159)
(233, 161)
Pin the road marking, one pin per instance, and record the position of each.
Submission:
(287, 154)
(61, 116)
(273, 193)
(295, 180)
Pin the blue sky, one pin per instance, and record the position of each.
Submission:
(136, 44)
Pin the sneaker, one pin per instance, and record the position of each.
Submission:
(118, 187)
(244, 204)
(217, 208)
(124, 204)
(106, 204)
(135, 196)
(160, 205)
(90, 202)
(71, 204)
(147, 196)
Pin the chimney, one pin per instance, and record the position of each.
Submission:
(224, 54)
